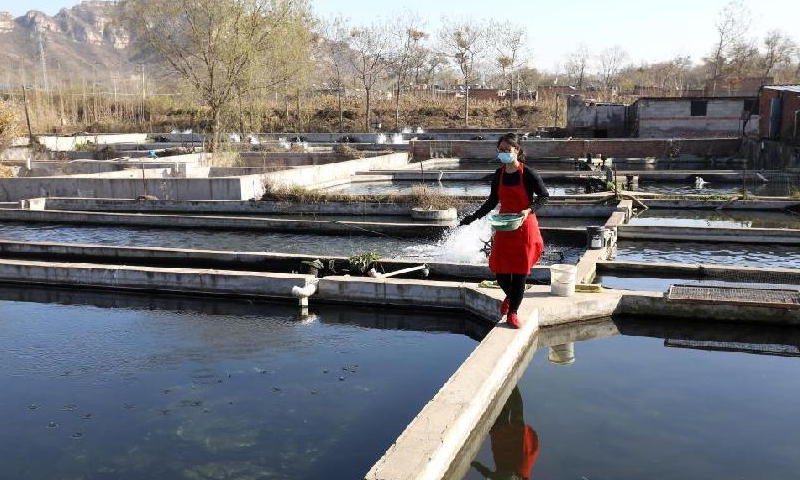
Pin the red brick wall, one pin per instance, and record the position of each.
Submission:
(791, 104)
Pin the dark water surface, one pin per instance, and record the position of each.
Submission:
(448, 187)
(631, 408)
(625, 281)
(721, 219)
(459, 245)
(777, 256)
(122, 387)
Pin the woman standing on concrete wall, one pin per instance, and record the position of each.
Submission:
(518, 189)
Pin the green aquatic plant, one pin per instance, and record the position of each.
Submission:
(362, 261)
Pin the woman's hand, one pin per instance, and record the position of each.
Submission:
(525, 214)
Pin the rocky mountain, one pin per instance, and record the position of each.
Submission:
(81, 44)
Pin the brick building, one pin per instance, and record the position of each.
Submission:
(693, 117)
(780, 118)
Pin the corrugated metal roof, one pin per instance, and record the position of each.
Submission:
(783, 88)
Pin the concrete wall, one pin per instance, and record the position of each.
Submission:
(586, 119)
(224, 188)
(314, 175)
(659, 118)
(16, 154)
(616, 148)
(59, 143)
(242, 188)
(76, 167)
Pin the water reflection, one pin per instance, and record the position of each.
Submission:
(562, 354)
(515, 445)
(690, 412)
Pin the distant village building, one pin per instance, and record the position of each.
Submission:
(739, 87)
(653, 91)
(696, 117)
(664, 117)
(547, 92)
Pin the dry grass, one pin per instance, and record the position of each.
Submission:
(10, 125)
(346, 152)
(421, 197)
(70, 111)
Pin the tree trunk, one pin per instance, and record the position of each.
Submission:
(397, 108)
(215, 129)
(511, 92)
(299, 116)
(466, 105)
(367, 108)
(716, 69)
(341, 114)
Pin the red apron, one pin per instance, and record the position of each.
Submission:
(516, 251)
(515, 449)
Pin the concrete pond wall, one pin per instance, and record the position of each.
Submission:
(242, 187)
(616, 148)
(62, 143)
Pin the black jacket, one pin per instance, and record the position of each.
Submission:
(534, 186)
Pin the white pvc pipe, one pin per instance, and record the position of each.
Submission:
(304, 292)
(376, 274)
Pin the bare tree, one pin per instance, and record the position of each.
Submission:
(370, 49)
(779, 49)
(336, 51)
(508, 42)
(610, 62)
(731, 25)
(406, 51)
(428, 65)
(576, 65)
(464, 42)
(221, 48)
(743, 59)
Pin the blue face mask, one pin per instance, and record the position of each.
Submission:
(505, 157)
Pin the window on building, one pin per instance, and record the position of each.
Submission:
(751, 105)
(699, 108)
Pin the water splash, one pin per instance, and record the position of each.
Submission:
(459, 244)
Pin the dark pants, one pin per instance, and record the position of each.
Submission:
(513, 284)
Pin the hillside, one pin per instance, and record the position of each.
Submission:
(81, 42)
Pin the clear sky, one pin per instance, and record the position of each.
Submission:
(647, 30)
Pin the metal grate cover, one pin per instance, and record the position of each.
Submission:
(754, 348)
(751, 297)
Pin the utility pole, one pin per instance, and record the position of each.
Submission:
(27, 116)
(143, 91)
(43, 63)
(143, 94)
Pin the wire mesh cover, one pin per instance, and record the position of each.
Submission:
(735, 296)
(757, 348)
(775, 183)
